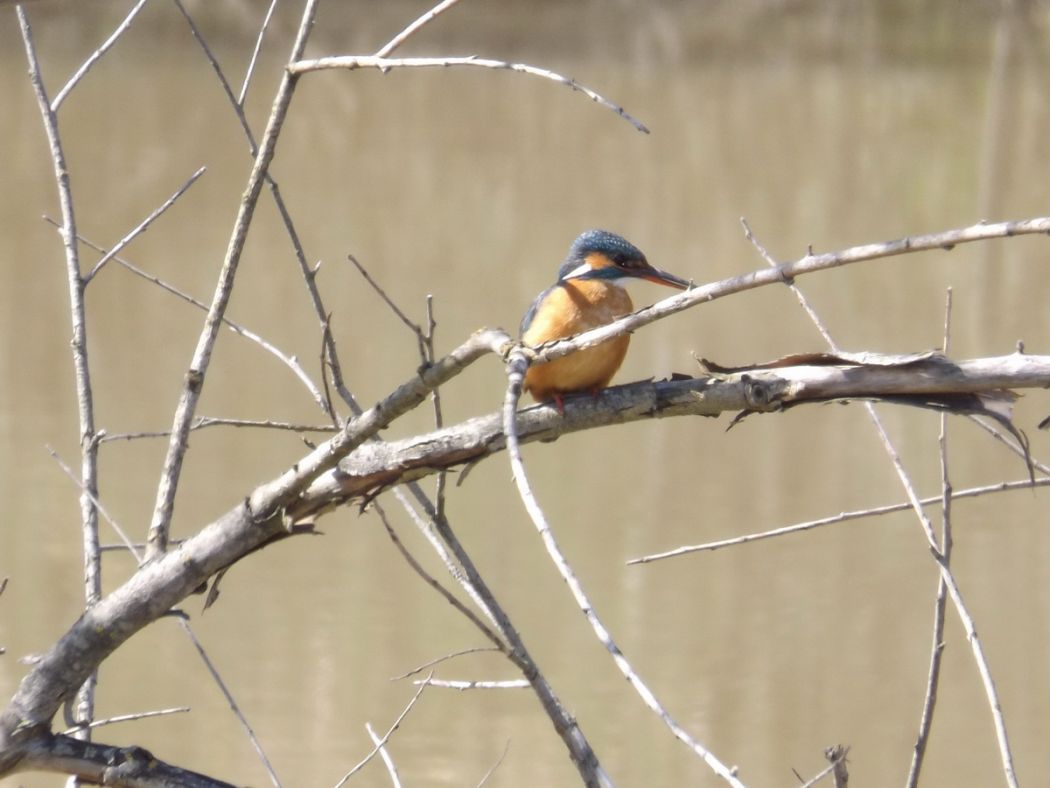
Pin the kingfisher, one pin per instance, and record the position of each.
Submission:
(589, 293)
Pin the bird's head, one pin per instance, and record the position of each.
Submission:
(600, 254)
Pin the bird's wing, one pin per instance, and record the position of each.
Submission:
(531, 314)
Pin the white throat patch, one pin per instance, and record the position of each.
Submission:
(580, 270)
(620, 281)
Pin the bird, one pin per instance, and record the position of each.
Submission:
(589, 293)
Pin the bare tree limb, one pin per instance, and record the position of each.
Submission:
(289, 361)
(385, 738)
(250, 70)
(81, 368)
(309, 274)
(161, 522)
(785, 273)
(231, 701)
(936, 551)
(409, 31)
(96, 55)
(485, 777)
(388, 761)
(142, 226)
(438, 660)
(470, 684)
(159, 585)
(102, 764)
(941, 598)
(564, 724)
(444, 592)
(352, 62)
(974, 492)
(140, 715)
(837, 767)
(517, 364)
(188, 631)
(376, 466)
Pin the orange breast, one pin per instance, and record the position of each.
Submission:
(571, 308)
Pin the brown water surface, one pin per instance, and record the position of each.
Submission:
(825, 124)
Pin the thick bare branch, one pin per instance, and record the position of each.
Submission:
(376, 466)
(133, 767)
(159, 585)
(81, 367)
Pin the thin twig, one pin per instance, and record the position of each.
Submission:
(85, 701)
(439, 418)
(161, 522)
(446, 658)
(128, 544)
(458, 684)
(351, 62)
(253, 521)
(135, 550)
(142, 226)
(516, 366)
(463, 570)
(203, 422)
(379, 745)
(837, 756)
(98, 53)
(309, 275)
(432, 534)
(936, 551)
(250, 70)
(972, 492)
(398, 312)
(142, 715)
(391, 769)
(234, 707)
(425, 19)
(485, 777)
(784, 273)
(1010, 443)
(425, 342)
(433, 583)
(941, 598)
(289, 361)
(565, 725)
